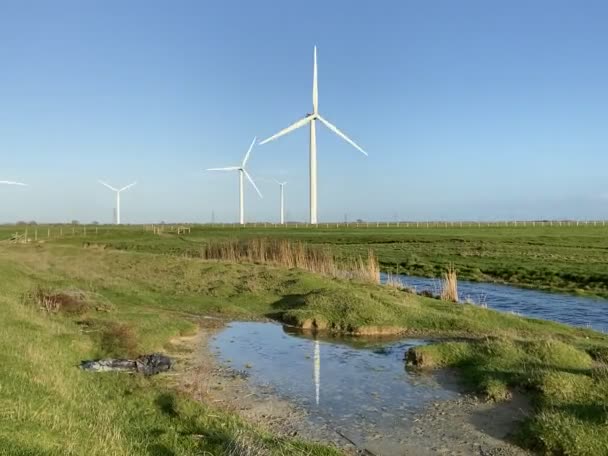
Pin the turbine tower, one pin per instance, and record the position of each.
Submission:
(242, 173)
(311, 119)
(282, 186)
(117, 197)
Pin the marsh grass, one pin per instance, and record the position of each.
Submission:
(449, 285)
(289, 254)
(51, 301)
(118, 340)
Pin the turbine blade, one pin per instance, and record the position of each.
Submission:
(315, 88)
(13, 183)
(108, 185)
(292, 127)
(252, 183)
(229, 168)
(249, 151)
(128, 186)
(341, 135)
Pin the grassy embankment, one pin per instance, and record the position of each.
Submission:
(562, 368)
(129, 304)
(568, 258)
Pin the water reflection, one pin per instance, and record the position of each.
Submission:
(317, 370)
(367, 392)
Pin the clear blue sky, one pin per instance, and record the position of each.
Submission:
(468, 109)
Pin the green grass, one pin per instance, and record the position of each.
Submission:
(567, 258)
(48, 406)
(569, 387)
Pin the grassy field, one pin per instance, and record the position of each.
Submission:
(148, 292)
(134, 304)
(567, 258)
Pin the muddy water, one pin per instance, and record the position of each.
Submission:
(563, 308)
(358, 388)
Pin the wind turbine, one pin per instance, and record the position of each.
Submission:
(311, 119)
(13, 183)
(242, 172)
(117, 197)
(282, 185)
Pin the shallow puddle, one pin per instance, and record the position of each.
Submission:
(357, 387)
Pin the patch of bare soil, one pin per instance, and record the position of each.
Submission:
(461, 427)
(467, 426)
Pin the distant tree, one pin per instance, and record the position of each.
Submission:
(21, 222)
(33, 222)
(359, 220)
(75, 222)
(94, 222)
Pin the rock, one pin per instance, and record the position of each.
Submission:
(145, 364)
(416, 357)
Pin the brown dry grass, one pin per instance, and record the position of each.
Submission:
(68, 301)
(449, 285)
(279, 252)
(118, 340)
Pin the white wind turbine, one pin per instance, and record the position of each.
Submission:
(282, 185)
(311, 119)
(13, 183)
(117, 190)
(242, 172)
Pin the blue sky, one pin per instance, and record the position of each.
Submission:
(469, 109)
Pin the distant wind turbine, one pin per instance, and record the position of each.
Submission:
(311, 119)
(117, 197)
(242, 172)
(13, 183)
(282, 185)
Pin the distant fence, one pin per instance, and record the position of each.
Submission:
(40, 233)
(429, 224)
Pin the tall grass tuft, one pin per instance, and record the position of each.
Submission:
(281, 252)
(449, 285)
(392, 280)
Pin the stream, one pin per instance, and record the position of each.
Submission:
(582, 311)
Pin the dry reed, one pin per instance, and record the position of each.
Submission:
(449, 285)
(280, 252)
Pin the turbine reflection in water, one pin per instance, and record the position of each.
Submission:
(317, 370)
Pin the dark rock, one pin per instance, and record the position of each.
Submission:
(153, 364)
(146, 364)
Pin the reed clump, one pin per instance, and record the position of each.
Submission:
(285, 253)
(449, 285)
